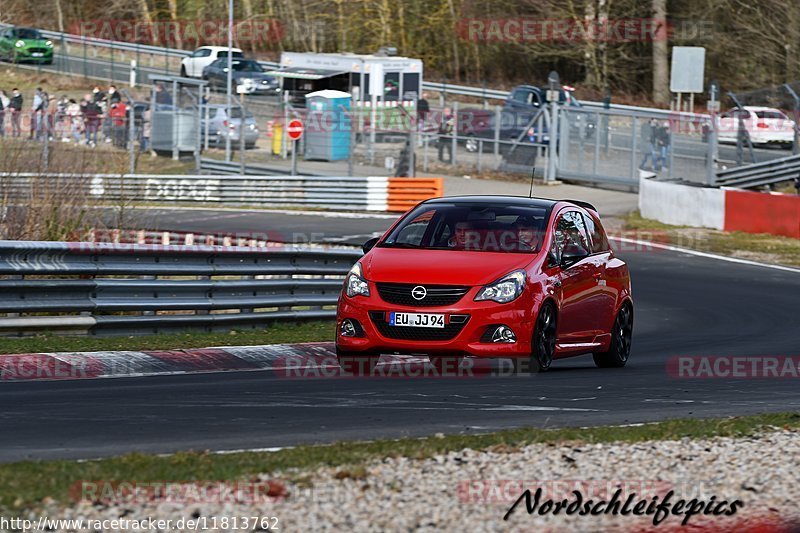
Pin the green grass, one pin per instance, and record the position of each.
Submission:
(272, 334)
(759, 247)
(23, 485)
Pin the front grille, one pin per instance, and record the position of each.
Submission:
(400, 294)
(38, 50)
(411, 333)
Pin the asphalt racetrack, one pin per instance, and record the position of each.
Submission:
(685, 306)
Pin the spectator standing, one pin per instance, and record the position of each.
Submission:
(113, 95)
(117, 116)
(147, 125)
(38, 108)
(4, 101)
(16, 110)
(91, 120)
(74, 121)
(446, 131)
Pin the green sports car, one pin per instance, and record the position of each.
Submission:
(25, 44)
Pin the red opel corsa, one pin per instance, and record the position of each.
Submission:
(488, 276)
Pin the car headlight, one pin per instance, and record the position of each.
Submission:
(19, 44)
(355, 283)
(49, 44)
(504, 290)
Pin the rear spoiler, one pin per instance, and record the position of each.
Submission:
(585, 205)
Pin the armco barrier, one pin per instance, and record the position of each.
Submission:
(724, 208)
(755, 212)
(112, 289)
(350, 193)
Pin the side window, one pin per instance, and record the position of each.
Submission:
(535, 99)
(597, 234)
(570, 235)
(520, 95)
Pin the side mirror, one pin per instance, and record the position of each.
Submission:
(370, 244)
(570, 256)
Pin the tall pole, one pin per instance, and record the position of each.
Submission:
(229, 82)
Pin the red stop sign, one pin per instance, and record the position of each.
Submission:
(295, 129)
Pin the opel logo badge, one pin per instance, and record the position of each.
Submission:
(419, 292)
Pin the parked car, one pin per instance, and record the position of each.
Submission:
(488, 276)
(220, 126)
(248, 77)
(765, 125)
(25, 45)
(523, 103)
(193, 65)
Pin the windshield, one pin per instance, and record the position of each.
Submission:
(247, 66)
(26, 33)
(478, 227)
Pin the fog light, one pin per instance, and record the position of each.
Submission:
(503, 334)
(347, 329)
(351, 328)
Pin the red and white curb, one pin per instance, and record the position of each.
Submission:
(315, 359)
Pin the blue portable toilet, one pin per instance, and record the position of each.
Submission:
(327, 126)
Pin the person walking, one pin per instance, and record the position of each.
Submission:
(16, 110)
(649, 129)
(664, 141)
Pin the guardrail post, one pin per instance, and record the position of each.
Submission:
(634, 130)
(85, 61)
(454, 141)
(711, 158)
(497, 118)
(111, 69)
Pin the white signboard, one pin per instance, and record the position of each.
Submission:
(376, 80)
(688, 67)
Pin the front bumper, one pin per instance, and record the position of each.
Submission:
(466, 340)
(34, 55)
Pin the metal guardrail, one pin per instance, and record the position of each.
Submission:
(326, 192)
(113, 289)
(761, 174)
(235, 167)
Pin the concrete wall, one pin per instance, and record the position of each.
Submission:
(682, 205)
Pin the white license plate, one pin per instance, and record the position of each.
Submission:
(37, 54)
(417, 320)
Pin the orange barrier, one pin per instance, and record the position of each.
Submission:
(756, 212)
(405, 193)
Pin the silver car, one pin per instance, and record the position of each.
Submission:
(220, 127)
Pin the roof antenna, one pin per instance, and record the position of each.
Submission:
(533, 171)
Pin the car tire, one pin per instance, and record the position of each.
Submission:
(620, 348)
(543, 344)
(445, 364)
(357, 363)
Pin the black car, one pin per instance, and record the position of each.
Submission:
(248, 76)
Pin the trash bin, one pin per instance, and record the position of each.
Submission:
(328, 125)
(277, 138)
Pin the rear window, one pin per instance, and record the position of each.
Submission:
(771, 114)
(477, 227)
